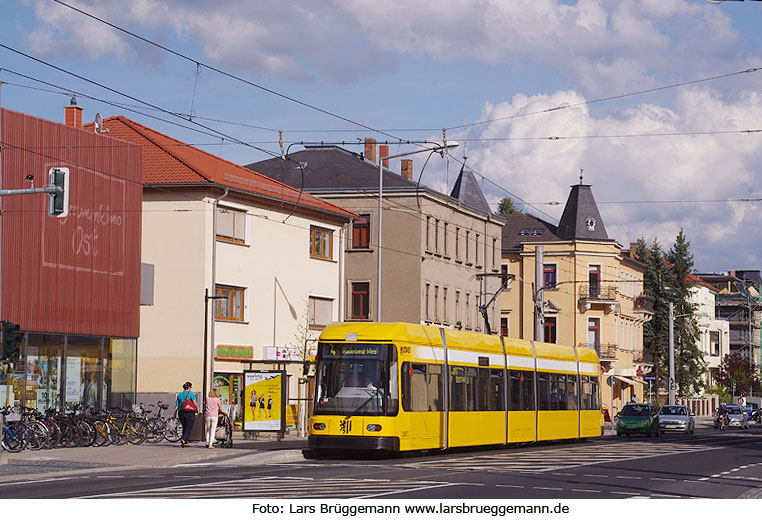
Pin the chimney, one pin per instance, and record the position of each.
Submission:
(407, 168)
(73, 113)
(370, 149)
(382, 152)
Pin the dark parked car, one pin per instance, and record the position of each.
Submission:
(637, 419)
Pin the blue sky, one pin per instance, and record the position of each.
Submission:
(415, 68)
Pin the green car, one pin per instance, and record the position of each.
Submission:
(637, 419)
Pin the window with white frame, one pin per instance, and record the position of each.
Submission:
(321, 312)
(231, 225)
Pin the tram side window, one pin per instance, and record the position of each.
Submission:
(571, 393)
(497, 390)
(421, 387)
(522, 389)
(463, 391)
(543, 391)
(590, 397)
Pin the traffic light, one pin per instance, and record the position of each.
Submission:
(58, 201)
(11, 339)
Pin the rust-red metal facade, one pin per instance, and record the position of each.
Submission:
(79, 274)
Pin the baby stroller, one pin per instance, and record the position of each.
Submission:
(224, 434)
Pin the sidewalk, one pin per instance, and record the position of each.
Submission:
(66, 461)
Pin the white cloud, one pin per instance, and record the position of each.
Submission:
(647, 168)
(602, 45)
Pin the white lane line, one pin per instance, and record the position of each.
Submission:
(659, 478)
(37, 481)
(109, 476)
(550, 489)
(564, 474)
(688, 480)
(586, 490)
(630, 478)
(186, 476)
(625, 493)
(409, 490)
(663, 495)
(599, 476)
(507, 486)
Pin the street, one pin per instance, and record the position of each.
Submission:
(709, 464)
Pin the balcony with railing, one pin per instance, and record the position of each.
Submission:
(605, 351)
(595, 294)
(644, 306)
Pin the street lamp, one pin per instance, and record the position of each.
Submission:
(439, 148)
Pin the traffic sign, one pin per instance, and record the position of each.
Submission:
(649, 378)
(611, 381)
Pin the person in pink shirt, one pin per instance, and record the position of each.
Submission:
(211, 413)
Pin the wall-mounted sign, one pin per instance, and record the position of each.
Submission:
(283, 353)
(235, 352)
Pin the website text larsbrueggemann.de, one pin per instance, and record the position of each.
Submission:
(440, 508)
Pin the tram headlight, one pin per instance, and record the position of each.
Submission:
(319, 426)
(373, 427)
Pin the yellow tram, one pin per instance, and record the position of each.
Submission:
(402, 387)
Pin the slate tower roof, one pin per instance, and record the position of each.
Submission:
(581, 219)
(467, 191)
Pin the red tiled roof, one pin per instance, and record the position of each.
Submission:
(168, 161)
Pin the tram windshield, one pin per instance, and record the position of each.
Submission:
(356, 379)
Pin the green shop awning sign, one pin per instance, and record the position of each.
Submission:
(235, 352)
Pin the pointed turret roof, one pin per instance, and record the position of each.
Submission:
(467, 191)
(581, 219)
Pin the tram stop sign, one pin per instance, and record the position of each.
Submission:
(611, 381)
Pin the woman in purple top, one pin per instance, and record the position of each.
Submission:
(212, 411)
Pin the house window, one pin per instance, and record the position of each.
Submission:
(444, 305)
(426, 299)
(321, 243)
(594, 333)
(494, 253)
(714, 343)
(550, 330)
(457, 244)
(549, 276)
(231, 225)
(360, 301)
(504, 330)
(321, 311)
(361, 232)
(436, 235)
(504, 275)
(468, 310)
(468, 250)
(444, 239)
(230, 307)
(428, 233)
(457, 308)
(476, 248)
(594, 281)
(436, 303)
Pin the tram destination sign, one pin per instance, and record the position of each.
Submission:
(353, 351)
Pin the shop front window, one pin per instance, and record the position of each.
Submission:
(84, 372)
(44, 354)
(120, 369)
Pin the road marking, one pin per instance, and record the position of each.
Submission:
(186, 476)
(550, 489)
(565, 474)
(109, 476)
(659, 478)
(699, 480)
(630, 478)
(35, 481)
(507, 486)
(624, 493)
(587, 490)
(599, 476)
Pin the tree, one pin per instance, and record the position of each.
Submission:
(507, 207)
(689, 361)
(738, 374)
(666, 280)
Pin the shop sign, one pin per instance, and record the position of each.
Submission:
(283, 353)
(235, 352)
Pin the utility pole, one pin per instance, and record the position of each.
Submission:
(539, 296)
(671, 353)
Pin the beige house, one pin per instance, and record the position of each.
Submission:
(592, 292)
(436, 248)
(270, 257)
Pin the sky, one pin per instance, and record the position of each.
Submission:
(656, 102)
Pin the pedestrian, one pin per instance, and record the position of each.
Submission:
(211, 414)
(634, 399)
(185, 410)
